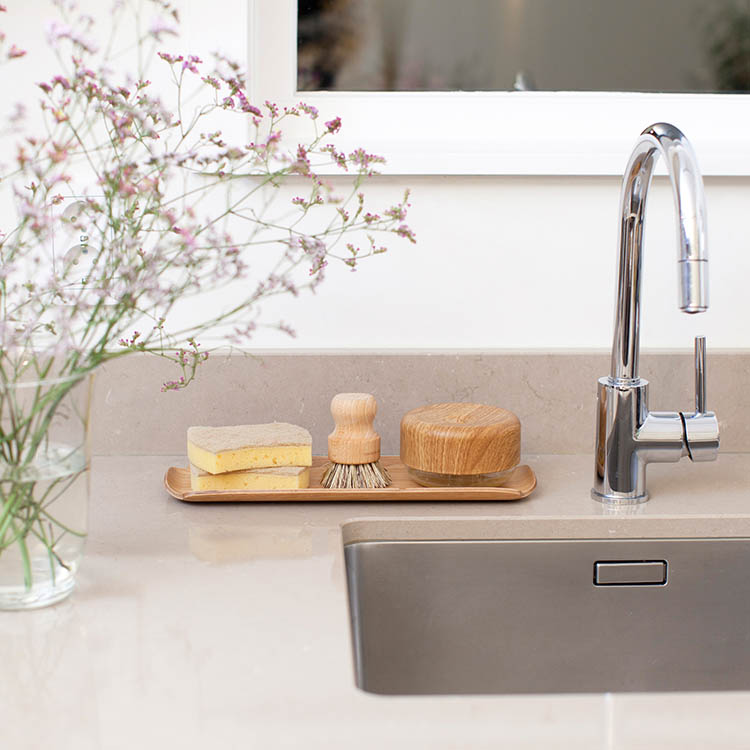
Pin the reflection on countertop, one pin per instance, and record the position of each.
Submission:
(221, 543)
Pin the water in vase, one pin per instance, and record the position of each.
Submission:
(43, 521)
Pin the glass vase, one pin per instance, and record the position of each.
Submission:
(44, 488)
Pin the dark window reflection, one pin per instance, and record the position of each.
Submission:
(496, 45)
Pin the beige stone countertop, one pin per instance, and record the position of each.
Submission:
(226, 626)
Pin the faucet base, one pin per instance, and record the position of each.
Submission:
(619, 498)
(628, 438)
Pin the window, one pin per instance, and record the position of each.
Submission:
(498, 132)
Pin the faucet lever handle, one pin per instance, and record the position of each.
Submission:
(701, 428)
(700, 374)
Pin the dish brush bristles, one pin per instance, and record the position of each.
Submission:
(355, 476)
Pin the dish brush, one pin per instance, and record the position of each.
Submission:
(354, 446)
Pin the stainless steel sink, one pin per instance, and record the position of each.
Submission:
(451, 617)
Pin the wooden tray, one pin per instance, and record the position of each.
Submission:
(520, 484)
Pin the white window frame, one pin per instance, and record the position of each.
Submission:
(495, 133)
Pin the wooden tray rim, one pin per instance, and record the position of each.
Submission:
(394, 493)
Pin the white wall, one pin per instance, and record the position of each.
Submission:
(501, 262)
(527, 262)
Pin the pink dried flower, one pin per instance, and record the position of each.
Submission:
(287, 329)
(57, 31)
(18, 114)
(309, 110)
(171, 59)
(173, 385)
(58, 153)
(246, 106)
(188, 238)
(404, 231)
(339, 157)
(159, 27)
(62, 81)
(334, 125)
(192, 63)
(363, 160)
(397, 212)
(15, 52)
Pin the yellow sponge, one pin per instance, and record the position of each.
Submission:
(217, 450)
(277, 478)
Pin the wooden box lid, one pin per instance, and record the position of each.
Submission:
(459, 438)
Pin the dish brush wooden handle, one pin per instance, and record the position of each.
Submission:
(354, 440)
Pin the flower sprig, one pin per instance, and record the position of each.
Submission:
(171, 206)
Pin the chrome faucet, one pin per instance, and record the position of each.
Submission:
(628, 435)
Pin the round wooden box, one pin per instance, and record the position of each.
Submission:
(460, 444)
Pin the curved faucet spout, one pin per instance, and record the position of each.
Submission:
(687, 187)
